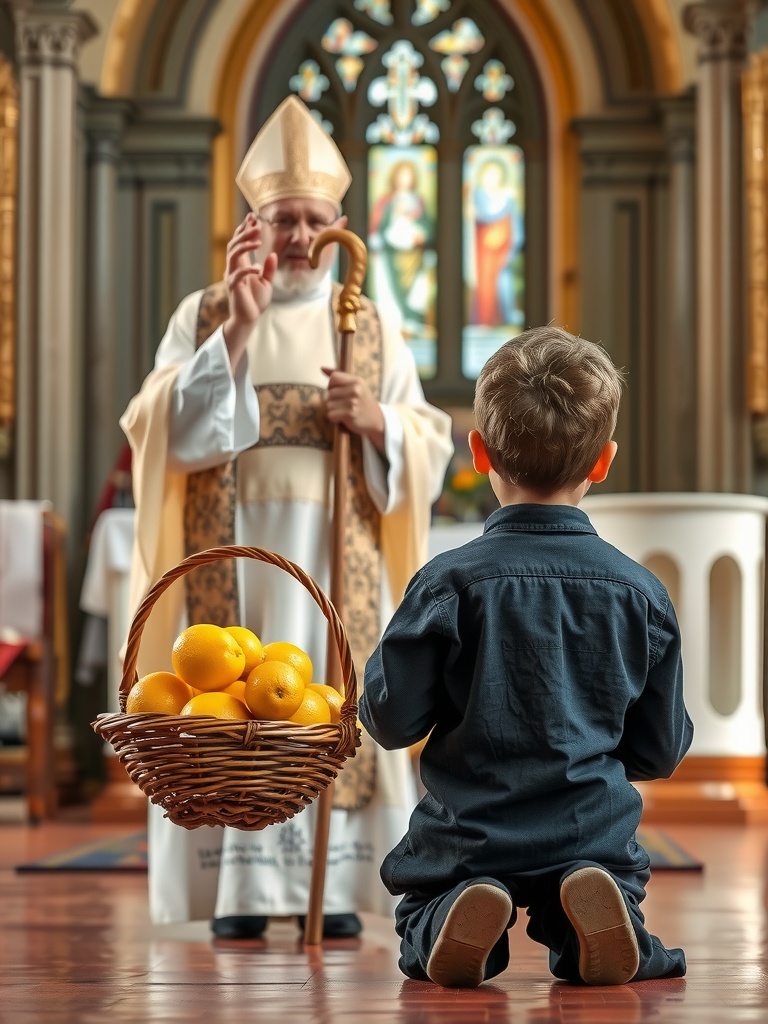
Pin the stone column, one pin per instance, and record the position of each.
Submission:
(623, 269)
(49, 439)
(104, 125)
(675, 446)
(723, 460)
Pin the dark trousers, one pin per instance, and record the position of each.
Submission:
(420, 916)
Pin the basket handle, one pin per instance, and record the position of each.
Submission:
(336, 626)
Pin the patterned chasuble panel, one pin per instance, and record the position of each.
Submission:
(292, 415)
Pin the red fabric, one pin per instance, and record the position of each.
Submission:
(123, 465)
(493, 242)
(8, 654)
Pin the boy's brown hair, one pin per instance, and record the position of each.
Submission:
(546, 404)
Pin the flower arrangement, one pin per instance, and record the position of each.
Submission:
(467, 495)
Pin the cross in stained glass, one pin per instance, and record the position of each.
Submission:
(402, 90)
(493, 129)
(494, 83)
(309, 83)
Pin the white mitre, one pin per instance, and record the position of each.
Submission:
(292, 157)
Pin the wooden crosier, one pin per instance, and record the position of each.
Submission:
(348, 306)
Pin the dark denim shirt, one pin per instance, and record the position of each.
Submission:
(547, 666)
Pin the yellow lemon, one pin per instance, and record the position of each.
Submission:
(313, 710)
(217, 705)
(251, 647)
(331, 696)
(207, 657)
(159, 692)
(274, 690)
(281, 650)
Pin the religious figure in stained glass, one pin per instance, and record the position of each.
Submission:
(402, 204)
(494, 233)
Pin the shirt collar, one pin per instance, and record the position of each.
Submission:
(541, 518)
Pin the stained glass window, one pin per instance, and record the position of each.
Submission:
(402, 211)
(402, 201)
(436, 107)
(342, 38)
(428, 10)
(379, 10)
(403, 90)
(309, 82)
(494, 83)
(493, 265)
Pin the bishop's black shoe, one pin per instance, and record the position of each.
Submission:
(338, 926)
(238, 927)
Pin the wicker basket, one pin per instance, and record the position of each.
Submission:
(208, 771)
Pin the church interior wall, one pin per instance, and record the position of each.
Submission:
(171, 92)
(169, 61)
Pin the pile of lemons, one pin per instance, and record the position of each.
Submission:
(226, 672)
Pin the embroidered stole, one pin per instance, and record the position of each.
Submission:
(292, 414)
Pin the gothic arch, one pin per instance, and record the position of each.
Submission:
(221, 46)
(560, 88)
(219, 58)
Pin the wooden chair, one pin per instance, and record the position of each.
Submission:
(40, 672)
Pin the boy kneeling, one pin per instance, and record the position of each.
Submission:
(545, 667)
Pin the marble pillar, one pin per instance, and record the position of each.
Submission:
(105, 121)
(49, 434)
(675, 446)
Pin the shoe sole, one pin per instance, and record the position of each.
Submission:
(594, 905)
(475, 923)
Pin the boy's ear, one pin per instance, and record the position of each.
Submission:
(603, 464)
(480, 459)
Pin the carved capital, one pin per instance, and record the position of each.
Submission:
(722, 28)
(50, 38)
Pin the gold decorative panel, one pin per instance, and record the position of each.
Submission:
(9, 117)
(755, 107)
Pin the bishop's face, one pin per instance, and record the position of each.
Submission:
(289, 227)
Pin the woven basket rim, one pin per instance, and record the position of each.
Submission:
(130, 673)
(246, 774)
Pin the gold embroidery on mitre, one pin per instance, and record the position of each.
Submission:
(312, 165)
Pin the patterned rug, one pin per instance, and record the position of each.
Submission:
(129, 853)
(125, 853)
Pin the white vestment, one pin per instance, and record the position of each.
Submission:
(283, 506)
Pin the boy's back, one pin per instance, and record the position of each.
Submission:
(560, 659)
(544, 666)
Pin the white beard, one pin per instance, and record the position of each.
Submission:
(290, 284)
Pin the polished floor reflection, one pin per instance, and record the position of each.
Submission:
(78, 947)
